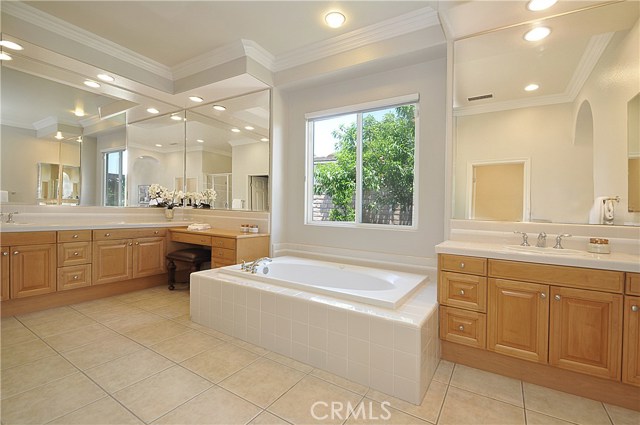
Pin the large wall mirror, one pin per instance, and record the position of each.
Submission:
(56, 150)
(571, 132)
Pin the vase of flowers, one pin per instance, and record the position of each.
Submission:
(160, 196)
(208, 198)
(168, 213)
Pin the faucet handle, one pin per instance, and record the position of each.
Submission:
(558, 244)
(525, 238)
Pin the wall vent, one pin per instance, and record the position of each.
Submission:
(483, 96)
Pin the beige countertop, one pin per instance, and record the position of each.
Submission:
(220, 232)
(40, 227)
(614, 261)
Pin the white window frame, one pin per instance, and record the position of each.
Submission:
(103, 179)
(360, 109)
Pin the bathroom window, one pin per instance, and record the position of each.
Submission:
(362, 161)
(114, 178)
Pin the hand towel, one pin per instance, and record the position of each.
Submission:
(596, 215)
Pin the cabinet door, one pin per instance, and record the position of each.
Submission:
(4, 272)
(32, 270)
(586, 332)
(149, 257)
(631, 349)
(518, 319)
(111, 261)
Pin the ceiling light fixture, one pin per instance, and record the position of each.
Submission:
(79, 139)
(219, 108)
(264, 139)
(200, 141)
(334, 19)
(59, 135)
(196, 99)
(106, 77)
(176, 117)
(537, 5)
(537, 34)
(532, 87)
(78, 112)
(248, 127)
(10, 45)
(235, 130)
(158, 145)
(153, 111)
(92, 84)
(4, 56)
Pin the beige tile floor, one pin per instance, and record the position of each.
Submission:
(137, 358)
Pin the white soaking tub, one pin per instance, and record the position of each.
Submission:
(333, 320)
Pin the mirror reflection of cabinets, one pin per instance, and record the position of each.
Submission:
(573, 129)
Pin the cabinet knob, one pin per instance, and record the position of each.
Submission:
(557, 298)
(462, 292)
(462, 265)
(461, 327)
(137, 243)
(543, 295)
(75, 277)
(16, 252)
(155, 232)
(5, 253)
(76, 253)
(130, 243)
(635, 308)
(75, 236)
(107, 234)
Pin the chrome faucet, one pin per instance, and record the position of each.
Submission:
(10, 217)
(542, 240)
(253, 267)
(558, 244)
(525, 238)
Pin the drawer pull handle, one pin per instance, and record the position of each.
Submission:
(462, 292)
(16, 252)
(75, 277)
(76, 253)
(543, 295)
(635, 308)
(557, 298)
(462, 265)
(461, 327)
(75, 236)
(107, 234)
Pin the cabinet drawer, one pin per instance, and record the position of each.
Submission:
(463, 264)
(218, 242)
(191, 238)
(74, 236)
(109, 234)
(220, 262)
(463, 291)
(222, 254)
(633, 284)
(73, 253)
(28, 238)
(575, 277)
(463, 327)
(74, 277)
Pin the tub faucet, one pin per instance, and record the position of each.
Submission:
(253, 267)
(542, 240)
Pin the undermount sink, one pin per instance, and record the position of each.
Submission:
(545, 251)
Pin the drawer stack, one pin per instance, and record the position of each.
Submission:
(74, 259)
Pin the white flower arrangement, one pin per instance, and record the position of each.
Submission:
(163, 197)
(209, 196)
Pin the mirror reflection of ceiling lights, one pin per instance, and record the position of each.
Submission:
(9, 45)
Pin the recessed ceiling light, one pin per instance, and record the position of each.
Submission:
(152, 110)
(219, 108)
(106, 77)
(200, 141)
(537, 5)
(235, 130)
(248, 127)
(176, 117)
(264, 139)
(532, 87)
(78, 112)
(196, 99)
(158, 145)
(334, 19)
(4, 56)
(537, 34)
(59, 135)
(91, 84)
(10, 45)
(79, 139)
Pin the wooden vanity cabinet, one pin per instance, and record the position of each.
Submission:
(4, 273)
(29, 266)
(518, 319)
(631, 336)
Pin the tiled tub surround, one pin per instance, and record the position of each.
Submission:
(393, 351)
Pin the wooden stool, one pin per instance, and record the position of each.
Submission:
(194, 256)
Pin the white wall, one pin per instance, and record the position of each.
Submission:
(248, 160)
(561, 172)
(89, 170)
(429, 80)
(612, 84)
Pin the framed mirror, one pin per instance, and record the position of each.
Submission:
(560, 103)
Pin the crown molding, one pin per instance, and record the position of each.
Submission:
(18, 124)
(63, 28)
(44, 123)
(390, 28)
(592, 53)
